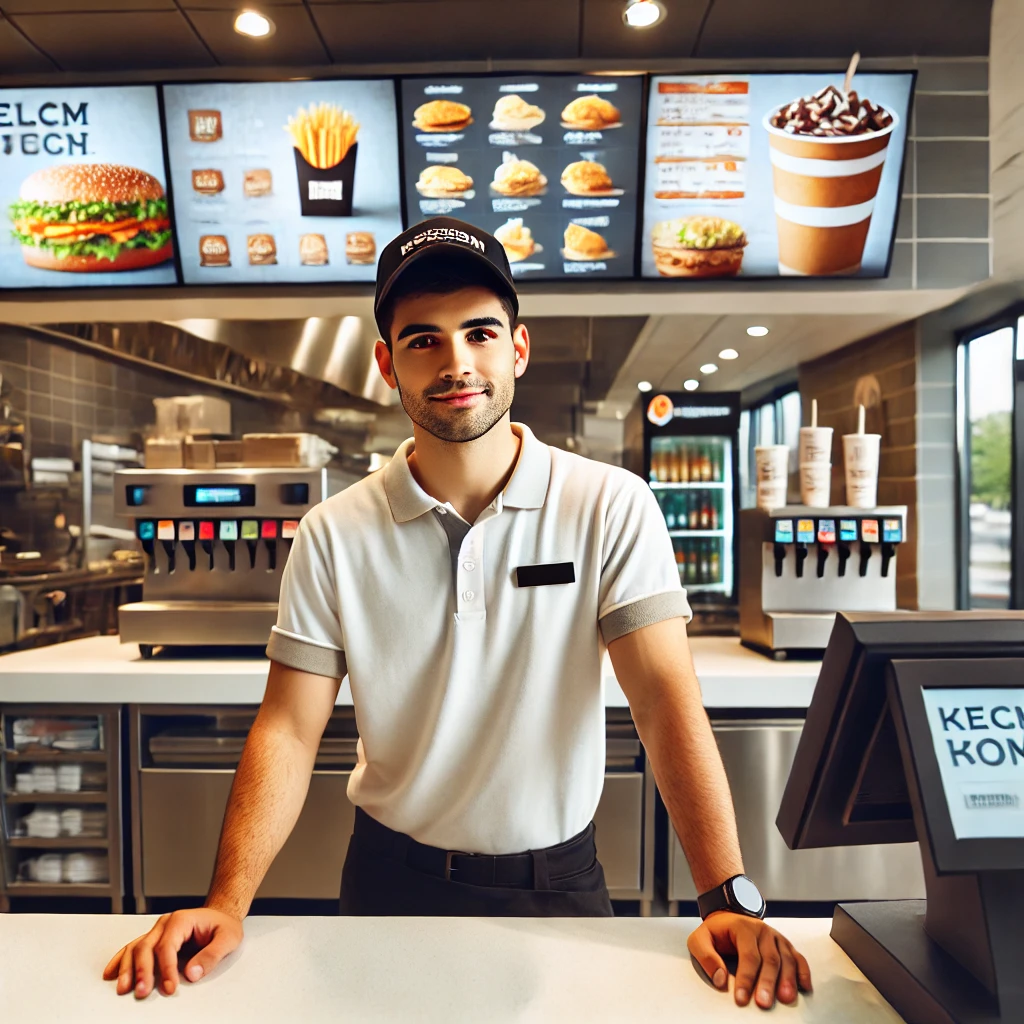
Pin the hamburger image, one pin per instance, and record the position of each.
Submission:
(513, 114)
(591, 113)
(698, 247)
(360, 248)
(583, 245)
(89, 218)
(313, 251)
(587, 178)
(515, 177)
(442, 116)
(442, 181)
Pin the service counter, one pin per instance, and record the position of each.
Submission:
(424, 969)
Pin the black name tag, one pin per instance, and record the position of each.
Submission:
(545, 575)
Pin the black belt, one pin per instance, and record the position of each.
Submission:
(531, 870)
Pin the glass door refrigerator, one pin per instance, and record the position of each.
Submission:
(684, 445)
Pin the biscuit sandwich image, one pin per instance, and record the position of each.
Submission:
(513, 114)
(214, 251)
(698, 247)
(262, 250)
(443, 181)
(313, 251)
(515, 177)
(591, 114)
(360, 248)
(517, 240)
(442, 116)
(207, 182)
(588, 178)
(583, 245)
(258, 183)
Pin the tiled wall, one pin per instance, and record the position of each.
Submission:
(67, 396)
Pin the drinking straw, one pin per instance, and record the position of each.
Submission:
(851, 70)
(814, 412)
(860, 419)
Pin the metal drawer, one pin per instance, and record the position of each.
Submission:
(757, 756)
(619, 822)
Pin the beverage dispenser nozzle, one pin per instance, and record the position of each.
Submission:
(166, 535)
(843, 552)
(228, 536)
(206, 536)
(268, 531)
(826, 538)
(146, 531)
(888, 550)
(892, 534)
(780, 557)
(801, 557)
(868, 537)
(251, 536)
(783, 535)
(865, 557)
(187, 536)
(822, 559)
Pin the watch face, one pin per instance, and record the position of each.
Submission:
(746, 894)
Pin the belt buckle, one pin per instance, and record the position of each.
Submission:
(448, 868)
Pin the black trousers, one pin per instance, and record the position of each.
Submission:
(388, 874)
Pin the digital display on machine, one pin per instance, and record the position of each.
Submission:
(783, 531)
(892, 530)
(226, 496)
(869, 531)
(805, 531)
(848, 529)
(976, 734)
(826, 531)
(135, 495)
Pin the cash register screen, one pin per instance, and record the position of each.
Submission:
(978, 736)
(223, 496)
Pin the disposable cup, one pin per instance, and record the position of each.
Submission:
(771, 494)
(772, 463)
(815, 483)
(860, 455)
(815, 444)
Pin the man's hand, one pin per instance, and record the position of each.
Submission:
(766, 958)
(214, 933)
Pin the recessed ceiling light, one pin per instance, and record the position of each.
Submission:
(254, 24)
(643, 13)
(645, 386)
(709, 368)
(691, 384)
(757, 332)
(728, 353)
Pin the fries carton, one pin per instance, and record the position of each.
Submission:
(324, 138)
(326, 191)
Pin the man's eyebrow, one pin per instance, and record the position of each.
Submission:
(418, 329)
(481, 321)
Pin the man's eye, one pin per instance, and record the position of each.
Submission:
(480, 334)
(421, 342)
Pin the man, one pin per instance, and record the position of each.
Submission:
(468, 590)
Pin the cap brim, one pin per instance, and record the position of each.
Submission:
(455, 252)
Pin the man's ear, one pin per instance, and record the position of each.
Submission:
(521, 343)
(385, 364)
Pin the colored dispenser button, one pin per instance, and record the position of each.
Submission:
(228, 529)
(250, 529)
(187, 530)
(268, 529)
(805, 531)
(289, 528)
(826, 531)
(147, 529)
(892, 531)
(783, 531)
(165, 529)
(848, 529)
(206, 530)
(869, 531)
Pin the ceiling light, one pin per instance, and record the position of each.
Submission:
(645, 386)
(252, 23)
(728, 353)
(709, 368)
(757, 332)
(643, 13)
(691, 384)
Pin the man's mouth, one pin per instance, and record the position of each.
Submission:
(459, 398)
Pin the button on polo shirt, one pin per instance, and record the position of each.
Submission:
(479, 702)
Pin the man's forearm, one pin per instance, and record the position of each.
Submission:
(266, 798)
(688, 769)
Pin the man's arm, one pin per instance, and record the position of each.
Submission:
(270, 784)
(655, 670)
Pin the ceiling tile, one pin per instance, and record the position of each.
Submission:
(17, 54)
(137, 39)
(606, 35)
(55, 6)
(413, 30)
(878, 28)
(294, 40)
(229, 5)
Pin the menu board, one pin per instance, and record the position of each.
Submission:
(546, 163)
(773, 175)
(283, 182)
(82, 183)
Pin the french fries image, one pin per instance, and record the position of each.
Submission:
(323, 134)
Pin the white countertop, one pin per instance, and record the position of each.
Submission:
(101, 670)
(449, 970)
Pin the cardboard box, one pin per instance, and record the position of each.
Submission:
(228, 454)
(200, 455)
(164, 453)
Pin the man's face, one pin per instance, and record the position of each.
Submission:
(454, 361)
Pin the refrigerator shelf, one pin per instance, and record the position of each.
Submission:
(700, 486)
(696, 533)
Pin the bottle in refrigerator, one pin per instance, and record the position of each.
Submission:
(705, 511)
(715, 565)
(691, 563)
(684, 463)
(694, 516)
(705, 465)
(716, 464)
(704, 570)
(668, 508)
(716, 519)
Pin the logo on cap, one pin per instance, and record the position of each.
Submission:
(432, 235)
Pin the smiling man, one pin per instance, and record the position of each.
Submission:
(469, 591)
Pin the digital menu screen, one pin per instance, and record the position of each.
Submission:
(773, 175)
(283, 182)
(546, 163)
(83, 187)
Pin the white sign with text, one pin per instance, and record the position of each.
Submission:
(978, 736)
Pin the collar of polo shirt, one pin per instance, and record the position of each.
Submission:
(527, 487)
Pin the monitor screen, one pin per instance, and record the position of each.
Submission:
(769, 175)
(547, 163)
(224, 495)
(83, 184)
(283, 182)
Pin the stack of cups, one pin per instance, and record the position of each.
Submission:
(772, 475)
(815, 462)
(860, 452)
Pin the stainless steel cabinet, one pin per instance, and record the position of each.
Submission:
(757, 755)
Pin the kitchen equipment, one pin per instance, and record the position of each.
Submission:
(215, 542)
(800, 565)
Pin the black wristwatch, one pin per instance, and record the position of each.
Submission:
(737, 894)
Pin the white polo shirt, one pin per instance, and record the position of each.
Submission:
(478, 701)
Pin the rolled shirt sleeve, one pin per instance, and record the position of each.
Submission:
(308, 634)
(639, 579)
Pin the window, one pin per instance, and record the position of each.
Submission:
(775, 421)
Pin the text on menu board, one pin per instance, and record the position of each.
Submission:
(47, 114)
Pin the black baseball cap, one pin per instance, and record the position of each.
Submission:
(443, 238)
